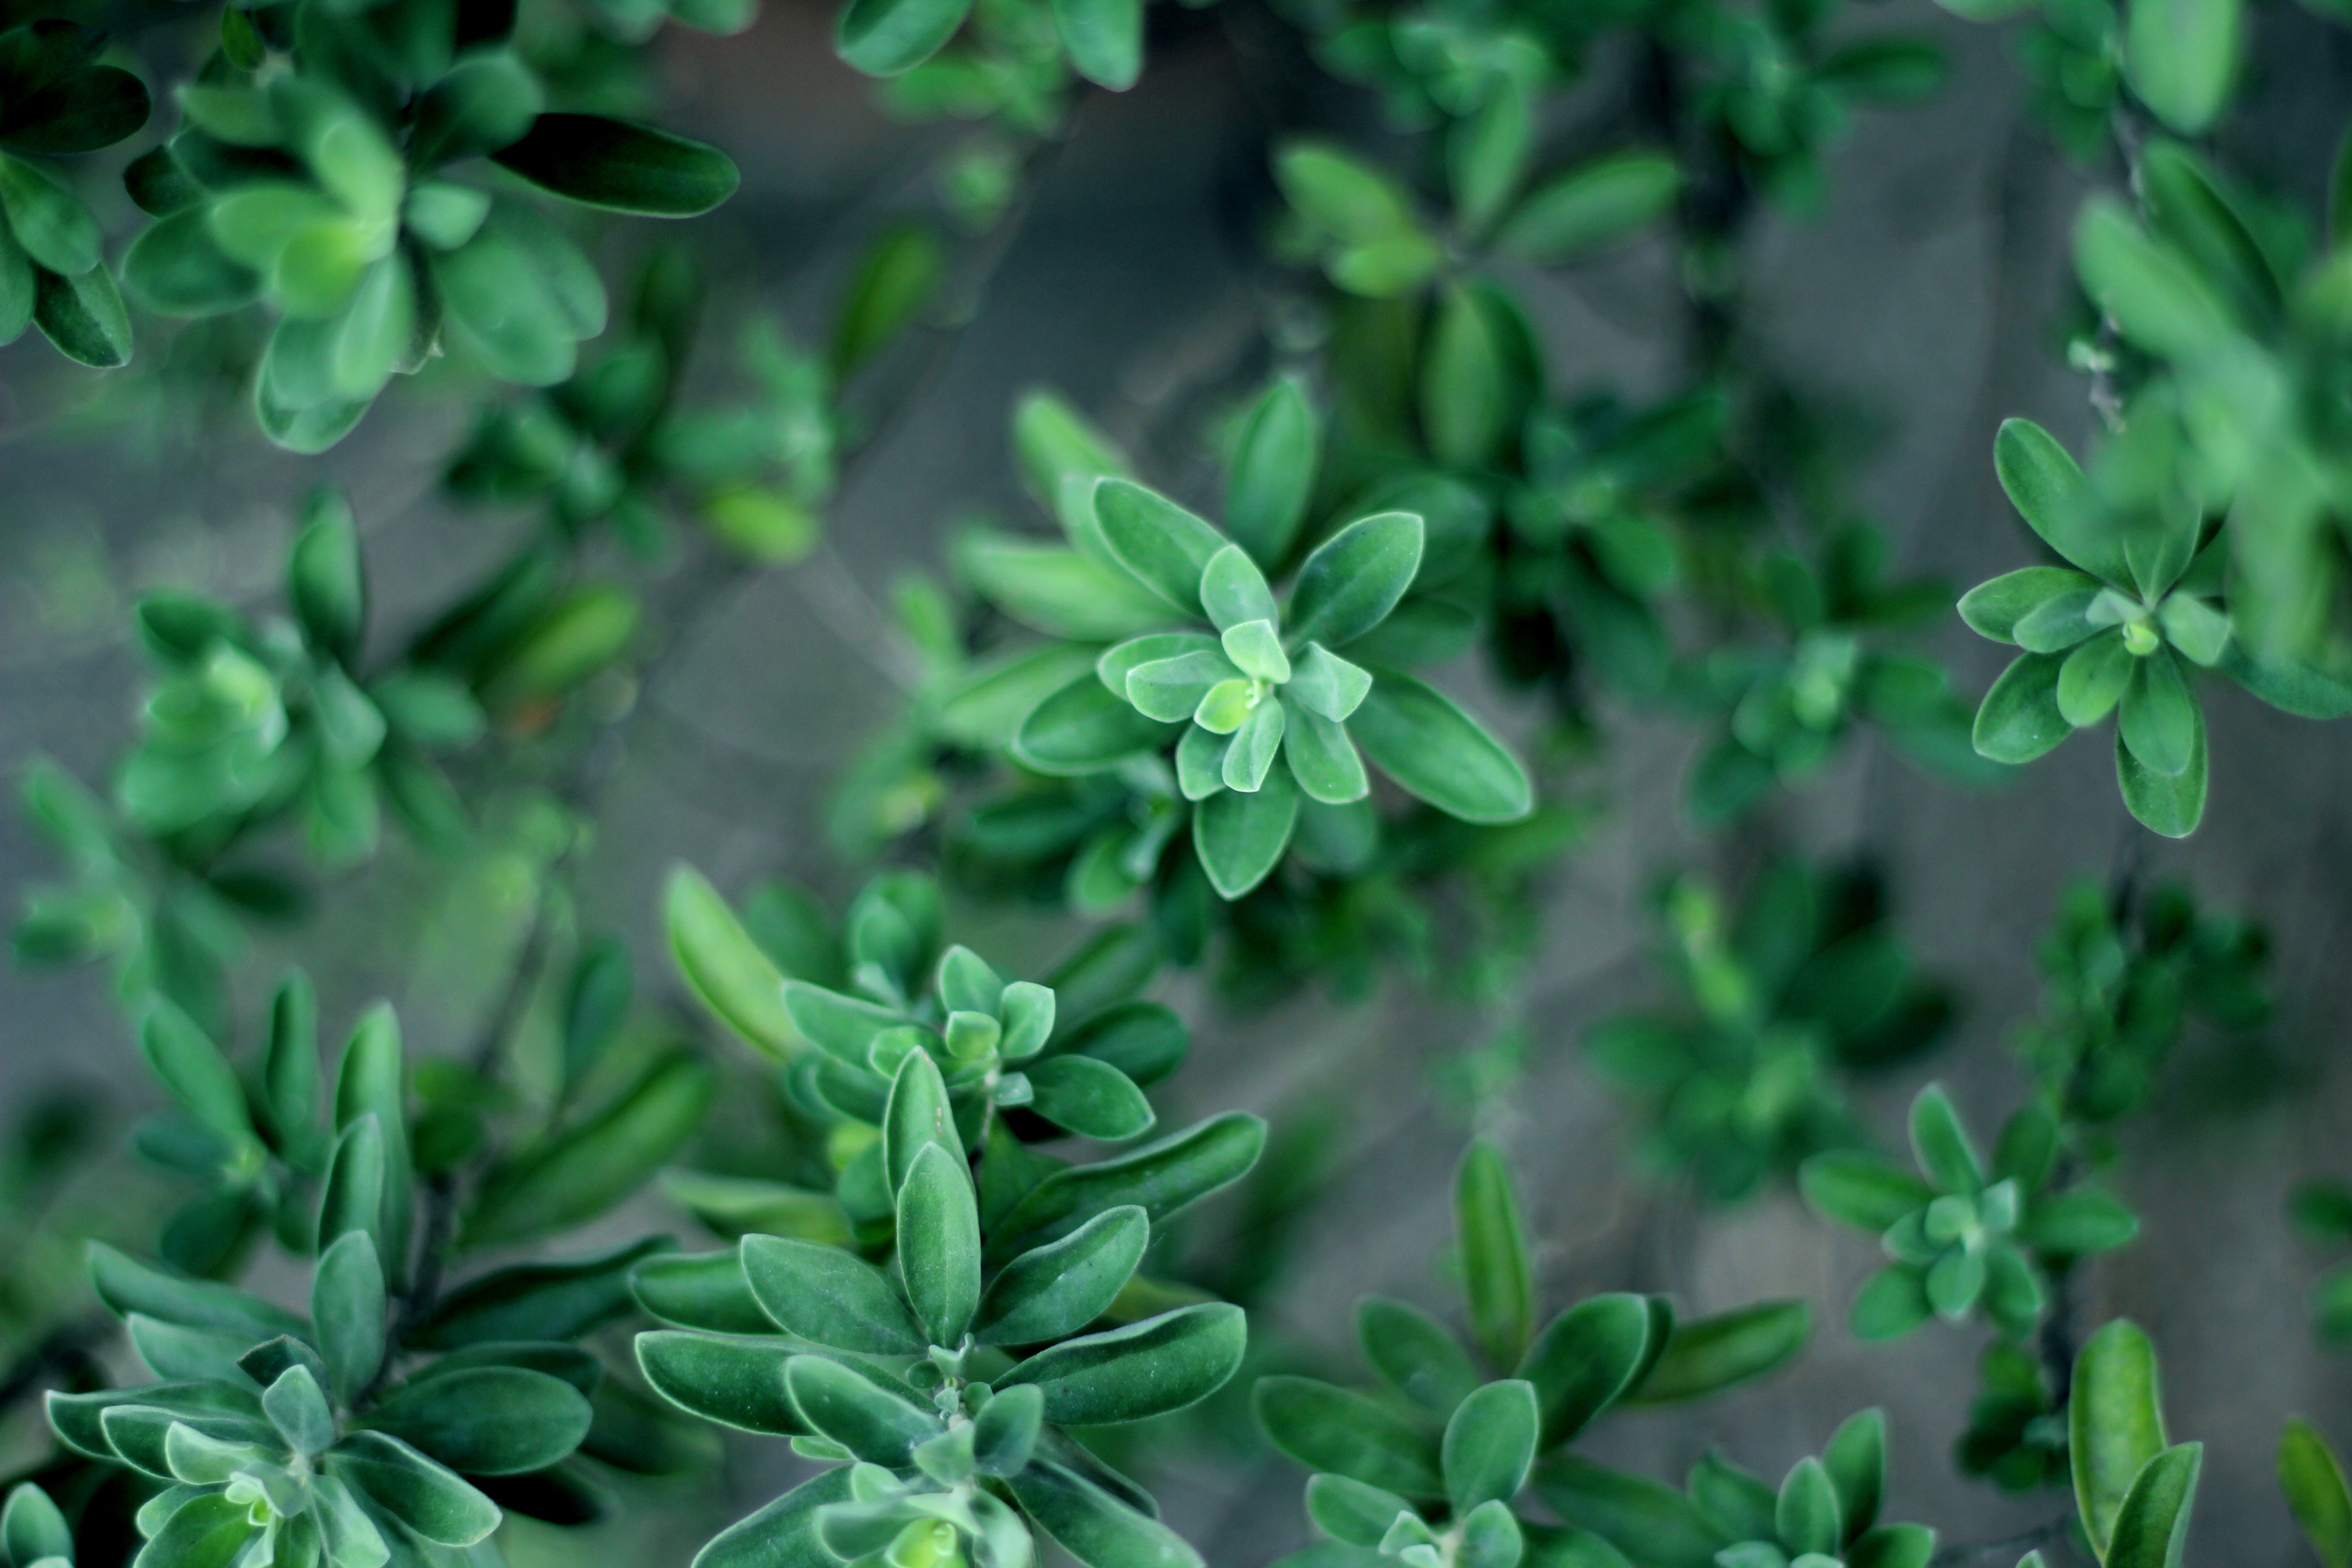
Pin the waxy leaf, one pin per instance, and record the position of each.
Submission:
(829, 1297)
(1146, 1369)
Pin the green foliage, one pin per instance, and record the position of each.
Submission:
(1807, 977)
(1193, 739)
(2122, 976)
(1965, 1235)
(945, 1384)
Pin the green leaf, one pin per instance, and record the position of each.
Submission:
(553, 1299)
(829, 1297)
(1942, 1144)
(2094, 677)
(2172, 806)
(917, 1116)
(2290, 688)
(49, 220)
(1321, 758)
(1805, 1515)
(735, 1383)
(1353, 579)
(1240, 836)
(325, 582)
(1652, 1524)
(938, 1243)
(1146, 1369)
(877, 1425)
(2047, 488)
(347, 1300)
(1711, 1353)
(1352, 1512)
(782, 1534)
(1415, 1356)
(707, 1292)
(1061, 593)
(2159, 722)
(1333, 1429)
(1235, 596)
(1415, 734)
(205, 1531)
(127, 1287)
(1596, 203)
(414, 1490)
(1586, 1358)
(1167, 547)
(1085, 729)
(2180, 55)
(2115, 1425)
(2152, 293)
(31, 1527)
(1860, 1189)
(193, 1072)
(486, 1420)
(175, 268)
(1104, 39)
(844, 1027)
(1271, 478)
(2309, 1475)
(1089, 1097)
(899, 277)
(1495, 1281)
(1056, 1290)
(585, 1172)
(1094, 1527)
(1891, 1303)
(1162, 1179)
(610, 163)
(1855, 1462)
(299, 1411)
(372, 1080)
(1489, 1443)
(2019, 719)
(1004, 1433)
(479, 105)
(2152, 1525)
(1465, 381)
(1993, 609)
(83, 317)
(891, 37)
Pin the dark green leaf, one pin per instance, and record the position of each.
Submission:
(938, 1243)
(2308, 1475)
(706, 1292)
(1495, 1281)
(1595, 204)
(829, 1297)
(1711, 1353)
(610, 163)
(587, 1170)
(1333, 1429)
(1586, 1358)
(878, 1426)
(1489, 1443)
(414, 1490)
(2115, 1425)
(1057, 1289)
(1146, 1369)
(1415, 734)
(1414, 1355)
(2019, 719)
(1089, 1097)
(736, 1382)
(891, 38)
(1094, 1527)
(1240, 836)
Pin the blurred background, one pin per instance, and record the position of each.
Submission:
(1918, 302)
